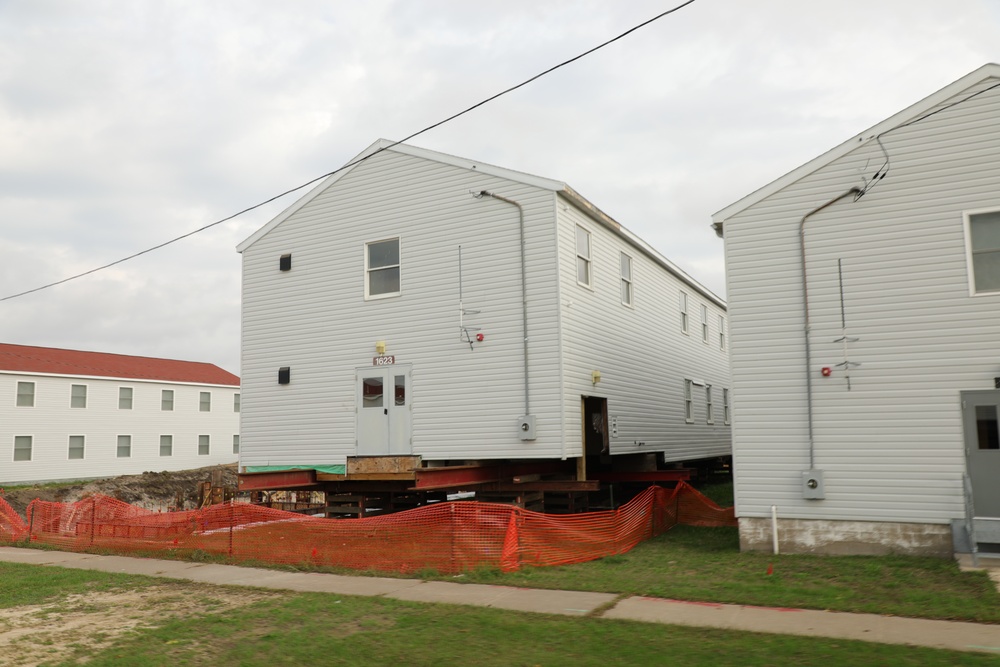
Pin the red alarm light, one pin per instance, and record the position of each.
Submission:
(827, 371)
(480, 337)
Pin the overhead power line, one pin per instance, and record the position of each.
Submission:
(359, 160)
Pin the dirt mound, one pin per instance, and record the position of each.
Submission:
(152, 490)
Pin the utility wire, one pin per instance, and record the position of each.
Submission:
(359, 160)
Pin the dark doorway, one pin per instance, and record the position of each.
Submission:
(595, 426)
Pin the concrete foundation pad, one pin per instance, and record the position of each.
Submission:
(950, 635)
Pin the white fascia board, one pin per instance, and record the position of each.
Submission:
(112, 378)
(386, 145)
(606, 220)
(990, 70)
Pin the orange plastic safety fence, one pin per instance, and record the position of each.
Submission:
(12, 526)
(448, 537)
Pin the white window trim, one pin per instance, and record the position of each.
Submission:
(709, 411)
(118, 446)
(588, 258)
(967, 228)
(236, 443)
(173, 397)
(18, 394)
(131, 398)
(688, 401)
(725, 406)
(629, 282)
(71, 397)
(201, 401)
(208, 444)
(31, 449)
(704, 324)
(83, 449)
(387, 295)
(162, 436)
(683, 306)
(722, 332)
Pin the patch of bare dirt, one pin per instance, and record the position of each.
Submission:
(152, 490)
(84, 624)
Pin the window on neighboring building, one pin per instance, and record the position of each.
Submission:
(236, 444)
(167, 400)
(76, 445)
(204, 445)
(78, 396)
(205, 401)
(709, 412)
(688, 402)
(124, 446)
(582, 256)
(704, 323)
(684, 311)
(22, 447)
(26, 394)
(124, 398)
(236, 402)
(626, 263)
(984, 250)
(725, 406)
(722, 332)
(382, 268)
(166, 445)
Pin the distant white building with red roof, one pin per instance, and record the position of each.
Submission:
(68, 414)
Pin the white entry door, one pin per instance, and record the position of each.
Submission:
(383, 400)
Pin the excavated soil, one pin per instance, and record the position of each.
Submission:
(151, 490)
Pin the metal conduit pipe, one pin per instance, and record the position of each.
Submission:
(805, 310)
(524, 290)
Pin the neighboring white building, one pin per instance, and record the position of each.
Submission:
(66, 414)
(423, 304)
(882, 391)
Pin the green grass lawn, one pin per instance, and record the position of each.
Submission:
(297, 629)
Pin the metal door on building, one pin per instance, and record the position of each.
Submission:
(383, 420)
(981, 423)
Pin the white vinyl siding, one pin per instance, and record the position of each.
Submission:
(77, 443)
(124, 398)
(892, 447)
(22, 447)
(382, 269)
(78, 396)
(983, 234)
(26, 394)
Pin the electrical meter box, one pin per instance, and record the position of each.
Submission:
(526, 427)
(812, 485)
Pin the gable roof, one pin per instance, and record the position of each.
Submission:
(987, 71)
(558, 187)
(55, 361)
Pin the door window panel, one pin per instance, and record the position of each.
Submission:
(986, 427)
(400, 390)
(372, 392)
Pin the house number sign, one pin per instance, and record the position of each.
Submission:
(387, 360)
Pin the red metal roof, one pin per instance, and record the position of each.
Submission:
(28, 359)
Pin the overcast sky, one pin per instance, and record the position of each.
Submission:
(124, 124)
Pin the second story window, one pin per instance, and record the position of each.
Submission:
(205, 401)
(26, 394)
(626, 263)
(124, 398)
(983, 234)
(683, 304)
(78, 396)
(382, 268)
(583, 256)
(722, 332)
(167, 400)
(704, 323)
(236, 402)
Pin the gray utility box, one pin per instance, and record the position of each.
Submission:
(526, 427)
(812, 485)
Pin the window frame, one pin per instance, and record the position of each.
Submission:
(131, 397)
(73, 396)
(203, 404)
(627, 291)
(588, 262)
(970, 252)
(725, 406)
(204, 441)
(236, 402)
(236, 443)
(682, 304)
(709, 405)
(169, 442)
(722, 332)
(19, 394)
(82, 448)
(118, 449)
(688, 401)
(704, 324)
(399, 266)
(163, 400)
(31, 448)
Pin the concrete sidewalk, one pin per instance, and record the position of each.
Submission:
(951, 635)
